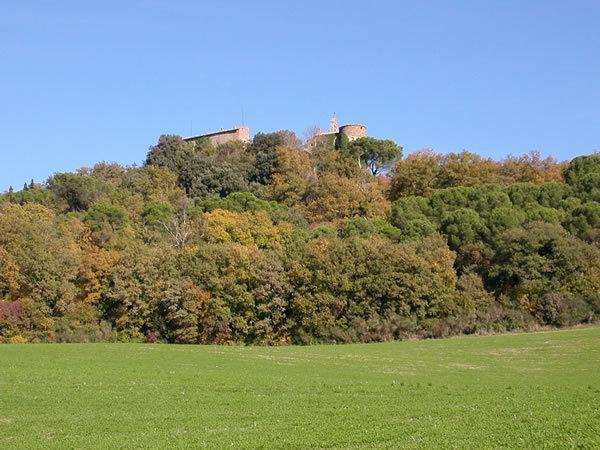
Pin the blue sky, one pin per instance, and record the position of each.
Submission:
(82, 82)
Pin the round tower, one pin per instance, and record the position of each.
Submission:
(353, 131)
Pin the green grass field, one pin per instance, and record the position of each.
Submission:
(526, 390)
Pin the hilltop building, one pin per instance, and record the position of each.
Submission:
(350, 131)
(223, 136)
(335, 134)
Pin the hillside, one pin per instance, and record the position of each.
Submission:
(276, 242)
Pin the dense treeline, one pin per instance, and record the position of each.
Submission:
(269, 243)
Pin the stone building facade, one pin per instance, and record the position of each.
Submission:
(224, 136)
(351, 131)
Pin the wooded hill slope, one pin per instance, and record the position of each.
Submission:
(267, 243)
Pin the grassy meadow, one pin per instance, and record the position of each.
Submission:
(524, 390)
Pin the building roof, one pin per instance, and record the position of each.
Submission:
(353, 125)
